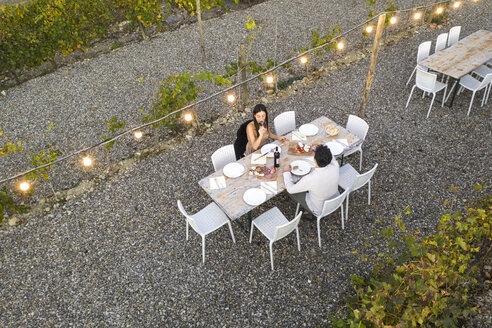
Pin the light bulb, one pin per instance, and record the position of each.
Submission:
(303, 60)
(24, 186)
(340, 45)
(369, 29)
(87, 161)
(188, 117)
(231, 98)
(439, 10)
(456, 4)
(393, 20)
(138, 134)
(269, 79)
(417, 16)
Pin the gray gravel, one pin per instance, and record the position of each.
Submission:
(118, 256)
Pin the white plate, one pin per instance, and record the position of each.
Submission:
(270, 148)
(335, 148)
(332, 130)
(308, 129)
(303, 167)
(254, 196)
(233, 170)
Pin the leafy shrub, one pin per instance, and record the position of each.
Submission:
(7, 204)
(429, 284)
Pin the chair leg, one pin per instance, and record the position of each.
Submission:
(341, 208)
(471, 103)
(203, 248)
(413, 72)
(369, 193)
(346, 210)
(297, 209)
(187, 229)
(444, 96)
(232, 233)
(432, 101)
(298, 240)
(360, 161)
(319, 233)
(251, 233)
(450, 91)
(271, 254)
(411, 92)
(484, 95)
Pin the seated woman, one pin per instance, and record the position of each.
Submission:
(258, 131)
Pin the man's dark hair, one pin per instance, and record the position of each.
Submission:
(323, 155)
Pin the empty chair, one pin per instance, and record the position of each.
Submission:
(474, 85)
(359, 127)
(482, 71)
(423, 53)
(241, 140)
(206, 221)
(330, 206)
(284, 123)
(223, 156)
(351, 180)
(275, 226)
(427, 82)
(441, 42)
(454, 35)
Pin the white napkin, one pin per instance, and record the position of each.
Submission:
(344, 142)
(255, 159)
(217, 183)
(270, 187)
(309, 160)
(296, 135)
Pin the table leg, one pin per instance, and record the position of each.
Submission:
(456, 86)
(341, 160)
(245, 229)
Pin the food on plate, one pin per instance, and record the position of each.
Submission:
(295, 167)
(305, 148)
(263, 171)
(332, 130)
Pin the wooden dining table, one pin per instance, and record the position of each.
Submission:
(230, 198)
(461, 58)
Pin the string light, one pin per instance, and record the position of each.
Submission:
(439, 10)
(393, 20)
(87, 161)
(24, 186)
(303, 60)
(138, 134)
(269, 79)
(231, 98)
(188, 117)
(456, 4)
(340, 45)
(369, 29)
(417, 15)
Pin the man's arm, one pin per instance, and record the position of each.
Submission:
(301, 186)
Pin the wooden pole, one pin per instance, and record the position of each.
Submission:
(276, 37)
(372, 65)
(244, 86)
(200, 28)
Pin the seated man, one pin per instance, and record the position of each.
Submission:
(321, 184)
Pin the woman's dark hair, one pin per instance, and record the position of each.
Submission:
(323, 155)
(260, 108)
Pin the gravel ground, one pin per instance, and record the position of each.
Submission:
(118, 256)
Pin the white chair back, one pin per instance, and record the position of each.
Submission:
(363, 178)
(223, 156)
(330, 205)
(441, 42)
(283, 230)
(357, 126)
(284, 123)
(486, 80)
(425, 81)
(454, 35)
(188, 218)
(424, 51)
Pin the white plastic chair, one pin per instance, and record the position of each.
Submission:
(330, 206)
(351, 180)
(427, 82)
(474, 85)
(275, 226)
(441, 42)
(284, 123)
(223, 156)
(423, 53)
(359, 127)
(482, 71)
(454, 35)
(206, 221)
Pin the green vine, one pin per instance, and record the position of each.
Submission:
(113, 126)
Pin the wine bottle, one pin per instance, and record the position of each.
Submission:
(276, 158)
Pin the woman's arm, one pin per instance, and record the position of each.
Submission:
(253, 140)
(274, 136)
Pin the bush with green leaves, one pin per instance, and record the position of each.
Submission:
(7, 204)
(317, 39)
(177, 91)
(429, 283)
